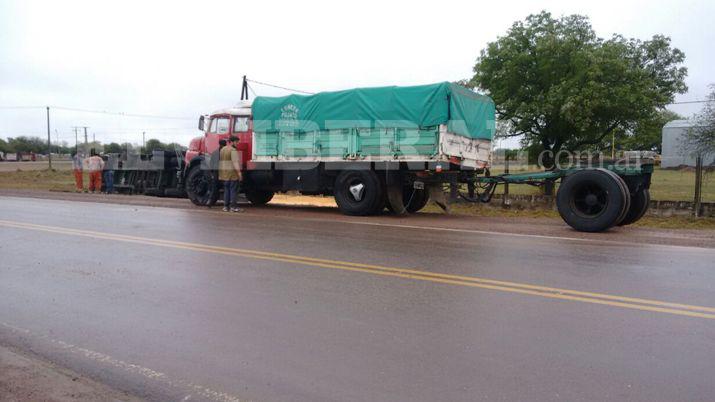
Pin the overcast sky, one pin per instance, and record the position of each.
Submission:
(182, 59)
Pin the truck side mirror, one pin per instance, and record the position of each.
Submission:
(201, 123)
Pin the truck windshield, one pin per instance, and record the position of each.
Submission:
(240, 124)
(219, 125)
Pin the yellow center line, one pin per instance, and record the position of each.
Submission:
(505, 286)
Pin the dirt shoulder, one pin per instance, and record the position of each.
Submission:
(474, 223)
(28, 378)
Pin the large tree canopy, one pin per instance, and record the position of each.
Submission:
(647, 134)
(558, 85)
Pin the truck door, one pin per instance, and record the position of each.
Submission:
(217, 130)
(242, 130)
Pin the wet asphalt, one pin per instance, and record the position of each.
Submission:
(179, 304)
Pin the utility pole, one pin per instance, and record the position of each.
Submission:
(144, 141)
(49, 149)
(244, 89)
(697, 202)
(76, 147)
(86, 145)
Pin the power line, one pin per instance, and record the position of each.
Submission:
(74, 109)
(695, 101)
(252, 91)
(280, 87)
(151, 116)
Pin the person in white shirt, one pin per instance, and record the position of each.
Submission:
(95, 164)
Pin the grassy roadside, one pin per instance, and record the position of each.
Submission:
(55, 180)
(62, 180)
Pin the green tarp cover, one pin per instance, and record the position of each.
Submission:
(465, 112)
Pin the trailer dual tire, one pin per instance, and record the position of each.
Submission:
(358, 192)
(640, 201)
(626, 192)
(593, 200)
(414, 199)
(202, 186)
(259, 197)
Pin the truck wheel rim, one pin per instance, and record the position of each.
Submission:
(200, 185)
(357, 190)
(589, 200)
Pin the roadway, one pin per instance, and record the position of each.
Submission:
(268, 305)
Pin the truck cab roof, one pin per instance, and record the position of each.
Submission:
(243, 108)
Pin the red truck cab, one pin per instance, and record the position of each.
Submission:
(222, 124)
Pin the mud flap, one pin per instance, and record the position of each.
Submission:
(437, 195)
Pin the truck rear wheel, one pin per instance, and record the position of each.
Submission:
(358, 192)
(414, 199)
(202, 186)
(592, 200)
(259, 197)
(640, 201)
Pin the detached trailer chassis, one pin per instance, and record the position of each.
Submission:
(589, 199)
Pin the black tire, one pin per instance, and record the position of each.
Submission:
(415, 199)
(626, 194)
(640, 201)
(202, 186)
(365, 183)
(591, 200)
(259, 197)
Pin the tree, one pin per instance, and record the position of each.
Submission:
(113, 148)
(647, 134)
(27, 144)
(559, 86)
(174, 146)
(156, 145)
(4, 147)
(700, 140)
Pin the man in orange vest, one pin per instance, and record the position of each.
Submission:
(77, 170)
(95, 164)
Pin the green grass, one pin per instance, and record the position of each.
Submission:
(55, 180)
(679, 185)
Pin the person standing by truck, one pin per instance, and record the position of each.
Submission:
(229, 171)
(108, 174)
(77, 170)
(95, 164)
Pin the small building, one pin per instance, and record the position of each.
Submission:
(673, 137)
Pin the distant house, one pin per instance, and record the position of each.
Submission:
(673, 137)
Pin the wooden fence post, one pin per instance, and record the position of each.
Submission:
(697, 202)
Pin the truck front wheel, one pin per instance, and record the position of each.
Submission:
(358, 192)
(592, 200)
(259, 197)
(202, 186)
